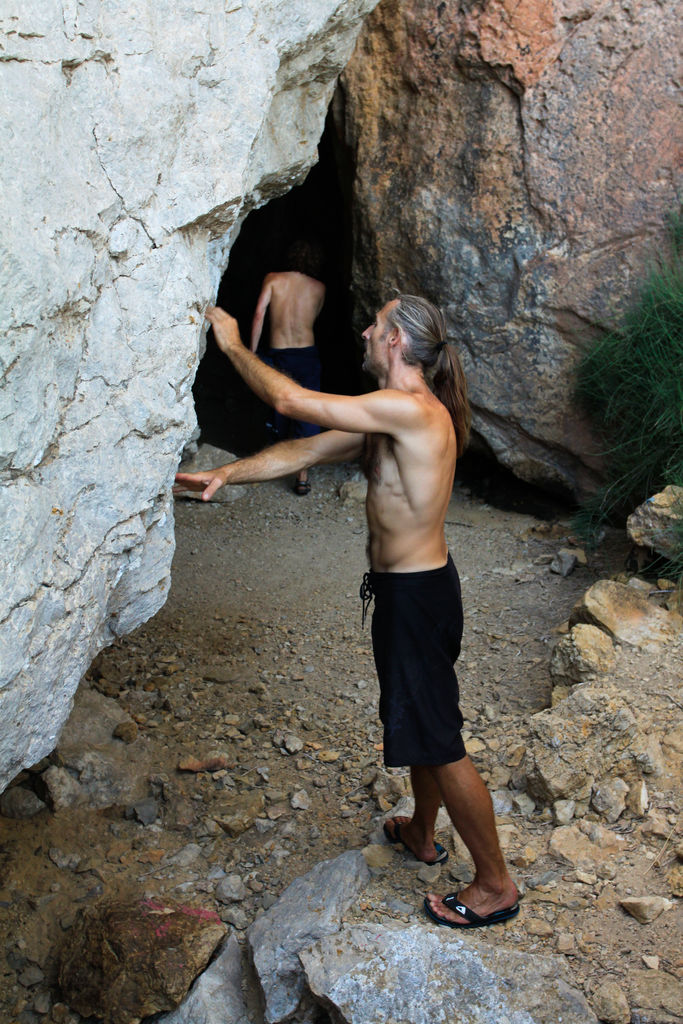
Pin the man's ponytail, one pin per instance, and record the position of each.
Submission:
(424, 326)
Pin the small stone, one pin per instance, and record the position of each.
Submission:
(186, 855)
(637, 800)
(524, 804)
(429, 873)
(240, 812)
(328, 756)
(301, 801)
(377, 856)
(235, 916)
(651, 962)
(31, 976)
(563, 811)
(231, 889)
(610, 1004)
(645, 909)
(565, 943)
(502, 802)
(290, 742)
(676, 880)
(538, 927)
(609, 799)
(65, 861)
(564, 562)
(524, 858)
(19, 802)
(126, 731)
(146, 811)
(42, 1003)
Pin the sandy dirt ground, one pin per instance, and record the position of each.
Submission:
(260, 647)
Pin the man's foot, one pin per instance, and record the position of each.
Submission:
(473, 908)
(397, 830)
(302, 487)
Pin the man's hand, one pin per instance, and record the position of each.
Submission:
(207, 482)
(225, 329)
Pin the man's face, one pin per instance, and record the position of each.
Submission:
(374, 336)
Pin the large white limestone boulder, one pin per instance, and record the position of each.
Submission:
(135, 139)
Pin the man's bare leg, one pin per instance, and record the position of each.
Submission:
(470, 809)
(418, 832)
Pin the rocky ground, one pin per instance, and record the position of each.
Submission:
(233, 742)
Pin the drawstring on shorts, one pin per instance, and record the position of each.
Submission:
(366, 596)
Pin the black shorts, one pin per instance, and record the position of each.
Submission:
(416, 632)
(303, 366)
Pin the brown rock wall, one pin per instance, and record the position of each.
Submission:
(514, 162)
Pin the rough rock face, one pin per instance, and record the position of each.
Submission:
(135, 140)
(367, 975)
(515, 163)
(653, 523)
(125, 960)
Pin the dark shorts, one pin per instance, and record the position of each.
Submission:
(416, 632)
(303, 366)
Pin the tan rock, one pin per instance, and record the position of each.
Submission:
(645, 909)
(377, 856)
(656, 991)
(676, 880)
(638, 800)
(577, 743)
(583, 845)
(610, 1003)
(652, 523)
(584, 653)
(626, 615)
(240, 813)
(538, 927)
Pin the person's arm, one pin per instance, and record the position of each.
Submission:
(280, 460)
(380, 412)
(260, 313)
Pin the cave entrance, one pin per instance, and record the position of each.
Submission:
(229, 415)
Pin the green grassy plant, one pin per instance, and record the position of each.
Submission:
(630, 382)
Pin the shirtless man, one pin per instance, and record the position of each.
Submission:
(295, 297)
(409, 433)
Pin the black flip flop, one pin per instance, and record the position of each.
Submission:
(452, 901)
(441, 854)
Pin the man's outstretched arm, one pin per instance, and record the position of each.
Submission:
(280, 460)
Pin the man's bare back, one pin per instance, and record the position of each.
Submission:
(295, 302)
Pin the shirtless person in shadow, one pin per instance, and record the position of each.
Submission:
(295, 298)
(409, 432)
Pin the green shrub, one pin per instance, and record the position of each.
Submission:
(630, 382)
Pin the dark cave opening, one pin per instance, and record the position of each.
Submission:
(229, 415)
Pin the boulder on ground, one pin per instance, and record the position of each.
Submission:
(626, 615)
(443, 977)
(123, 960)
(583, 654)
(653, 523)
(311, 907)
(587, 738)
